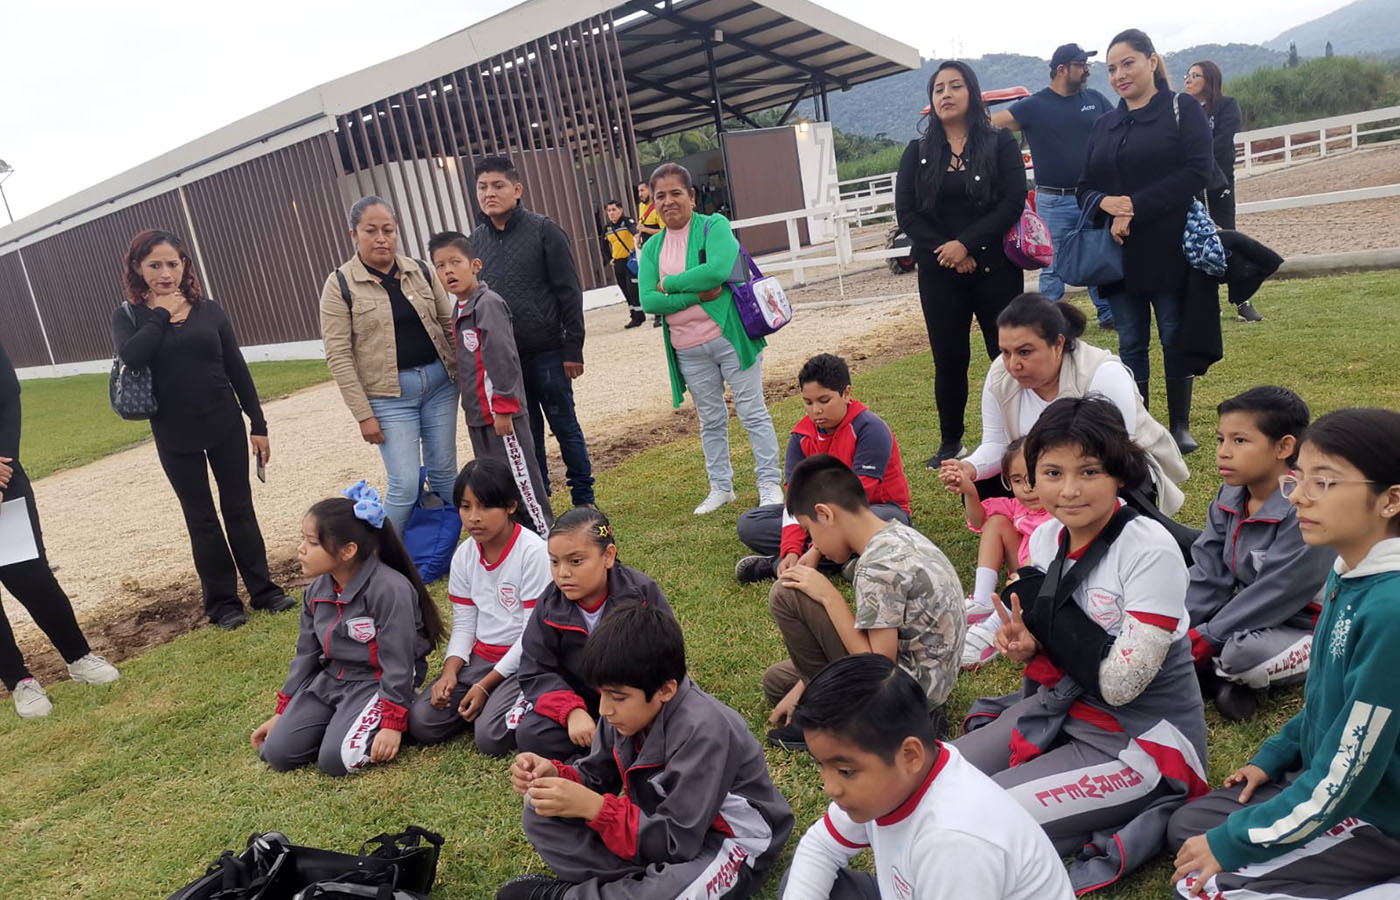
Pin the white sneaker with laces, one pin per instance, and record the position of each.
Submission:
(31, 700)
(979, 647)
(770, 494)
(714, 501)
(93, 669)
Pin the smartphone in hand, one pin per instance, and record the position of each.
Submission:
(262, 469)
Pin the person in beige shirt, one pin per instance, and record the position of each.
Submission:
(386, 323)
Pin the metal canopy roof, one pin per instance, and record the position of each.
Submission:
(765, 54)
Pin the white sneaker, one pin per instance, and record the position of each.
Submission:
(979, 648)
(31, 701)
(770, 494)
(714, 501)
(93, 669)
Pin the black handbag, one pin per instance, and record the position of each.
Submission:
(131, 391)
(260, 872)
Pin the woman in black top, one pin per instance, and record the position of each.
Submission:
(203, 389)
(959, 188)
(31, 581)
(1145, 162)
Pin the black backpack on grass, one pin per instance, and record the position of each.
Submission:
(399, 866)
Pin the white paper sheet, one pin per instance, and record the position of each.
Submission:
(16, 536)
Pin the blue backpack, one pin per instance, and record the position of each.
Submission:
(432, 532)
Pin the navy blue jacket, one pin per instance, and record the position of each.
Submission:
(1145, 155)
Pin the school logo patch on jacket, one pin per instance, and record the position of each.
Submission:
(509, 598)
(470, 340)
(361, 629)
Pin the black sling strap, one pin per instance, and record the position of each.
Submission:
(345, 285)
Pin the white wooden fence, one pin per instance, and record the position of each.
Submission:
(1313, 139)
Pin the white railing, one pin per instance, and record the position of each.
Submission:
(868, 188)
(1312, 139)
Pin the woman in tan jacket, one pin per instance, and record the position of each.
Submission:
(385, 322)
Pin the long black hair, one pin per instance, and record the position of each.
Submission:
(492, 485)
(979, 153)
(337, 525)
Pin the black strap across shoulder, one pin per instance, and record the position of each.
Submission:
(1075, 643)
(345, 285)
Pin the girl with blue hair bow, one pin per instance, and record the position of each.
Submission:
(367, 627)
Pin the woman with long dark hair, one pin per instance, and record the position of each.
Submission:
(960, 186)
(1145, 163)
(203, 389)
(1205, 82)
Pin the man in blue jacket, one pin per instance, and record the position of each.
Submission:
(526, 259)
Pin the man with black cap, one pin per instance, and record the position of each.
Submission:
(1056, 122)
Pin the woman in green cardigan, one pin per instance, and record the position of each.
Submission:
(683, 276)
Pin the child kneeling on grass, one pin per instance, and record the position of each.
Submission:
(909, 603)
(1254, 581)
(938, 827)
(841, 426)
(673, 801)
(1006, 525)
(367, 626)
(558, 708)
(1316, 813)
(498, 573)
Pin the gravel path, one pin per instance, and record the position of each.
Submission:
(115, 531)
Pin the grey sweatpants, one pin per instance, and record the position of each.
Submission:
(1352, 860)
(761, 528)
(722, 869)
(487, 444)
(1044, 785)
(1268, 656)
(494, 727)
(331, 722)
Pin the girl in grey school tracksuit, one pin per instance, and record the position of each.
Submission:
(367, 626)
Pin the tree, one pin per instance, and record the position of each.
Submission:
(1292, 55)
(1317, 88)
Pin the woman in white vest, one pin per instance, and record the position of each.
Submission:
(1042, 359)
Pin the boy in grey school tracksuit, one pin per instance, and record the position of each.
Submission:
(1253, 596)
(687, 807)
(491, 385)
(359, 656)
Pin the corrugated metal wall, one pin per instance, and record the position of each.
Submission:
(268, 231)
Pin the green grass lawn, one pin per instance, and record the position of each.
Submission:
(130, 790)
(67, 421)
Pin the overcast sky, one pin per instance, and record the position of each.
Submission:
(89, 89)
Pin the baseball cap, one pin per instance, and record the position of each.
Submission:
(1068, 53)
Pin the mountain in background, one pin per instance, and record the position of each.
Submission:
(1363, 27)
(891, 105)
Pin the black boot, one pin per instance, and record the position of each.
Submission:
(638, 317)
(1179, 414)
(1143, 387)
(1236, 702)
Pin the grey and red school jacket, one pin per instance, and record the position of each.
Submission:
(862, 441)
(1252, 572)
(489, 378)
(371, 630)
(697, 770)
(551, 646)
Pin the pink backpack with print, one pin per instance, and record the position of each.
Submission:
(1027, 244)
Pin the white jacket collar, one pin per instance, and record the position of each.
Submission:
(1384, 557)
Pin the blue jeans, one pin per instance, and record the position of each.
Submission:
(1132, 313)
(549, 394)
(706, 368)
(423, 417)
(1060, 214)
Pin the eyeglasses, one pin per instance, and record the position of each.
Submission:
(1315, 487)
(1192, 76)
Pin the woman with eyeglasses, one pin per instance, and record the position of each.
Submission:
(1145, 163)
(1316, 812)
(1204, 81)
(960, 186)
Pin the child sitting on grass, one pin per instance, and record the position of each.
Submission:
(674, 800)
(1316, 813)
(842, 427)
(559, 707)
(937, 826)
(498, 573)
(367, 626)
(489, 378)
(908, 598)
(1254, 581)
(1005, 524)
